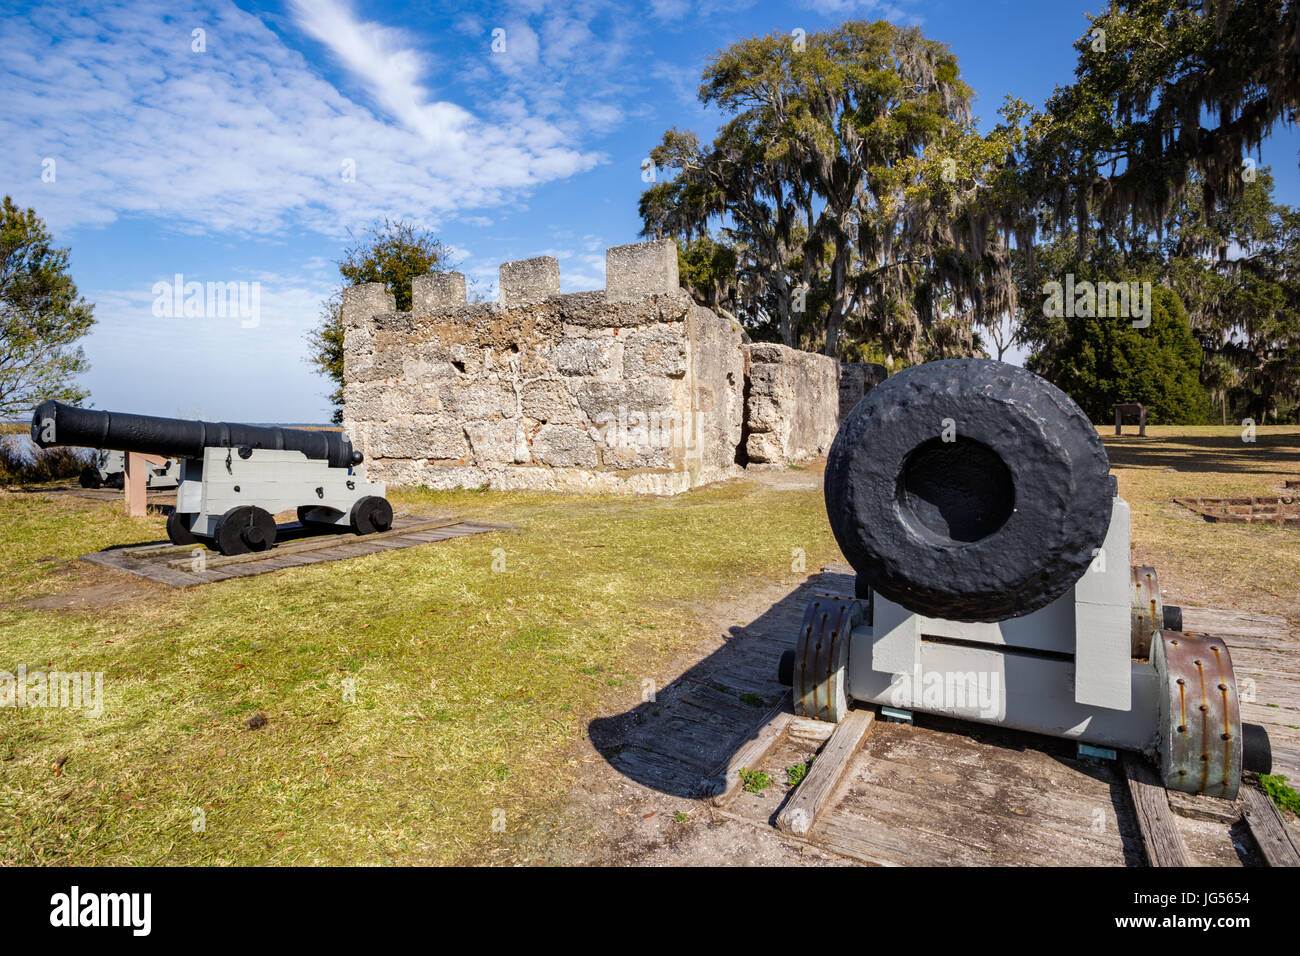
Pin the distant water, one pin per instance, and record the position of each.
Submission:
(324, 426)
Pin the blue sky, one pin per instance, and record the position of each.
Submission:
(227, 164)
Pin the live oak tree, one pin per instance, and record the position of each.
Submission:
(42, 318)
(1237, 267)
(1143, 163)
(1165, 91)
(849, 183)
(392, 252)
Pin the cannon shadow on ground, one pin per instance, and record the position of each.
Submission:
(673, 742)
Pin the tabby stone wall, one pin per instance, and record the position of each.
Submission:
(856, 379)
(791, 405)
(630, 388)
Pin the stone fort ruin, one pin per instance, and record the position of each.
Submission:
(633, 388)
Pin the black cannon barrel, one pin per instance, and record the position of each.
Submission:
(54, 423)
(968, 489)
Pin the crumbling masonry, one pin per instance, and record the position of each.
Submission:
(633, 388)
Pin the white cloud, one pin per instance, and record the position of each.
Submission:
(469, 24)
(388, 63)
(521, 49)
(880, 9)
(680, 82)
(669, 9)
(567, 64)
(247, 141)
(247, 136)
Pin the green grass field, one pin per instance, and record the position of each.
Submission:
(470, 683)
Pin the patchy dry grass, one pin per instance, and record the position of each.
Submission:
(469, 683)
(1199, 562)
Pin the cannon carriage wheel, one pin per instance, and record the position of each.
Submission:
(178, 529)
(244, 529)
(371, 514)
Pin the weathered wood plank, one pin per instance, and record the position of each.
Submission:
(1267, 827)
(1031, 806)
(917, 796)
(1160, 838)
(713, 703)
(1200, 807)
(1229, 623)
(325, 541)
(745, 675)
(682, 736)
(155, 499)
(893, 826)
(666, 773)
(810, 730)
(811, 796)
(763, 736)
(1264, 690)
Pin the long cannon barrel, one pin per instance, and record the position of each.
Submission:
(54, 423)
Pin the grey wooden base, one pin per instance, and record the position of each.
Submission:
(191, 565)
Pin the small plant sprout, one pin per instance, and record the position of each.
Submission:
(1279, 792)
(756, 781)
(795, 773)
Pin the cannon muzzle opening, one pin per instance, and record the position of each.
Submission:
(955, 491)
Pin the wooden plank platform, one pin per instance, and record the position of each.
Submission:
(947, 794)
(943, 792)
(296, 546)
(1161, 840)
(768, 732)
(164, 497)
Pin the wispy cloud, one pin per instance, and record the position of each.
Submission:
(566, 63)
(879, 9)
(245, 135)
(389, 63)
(670, 9)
